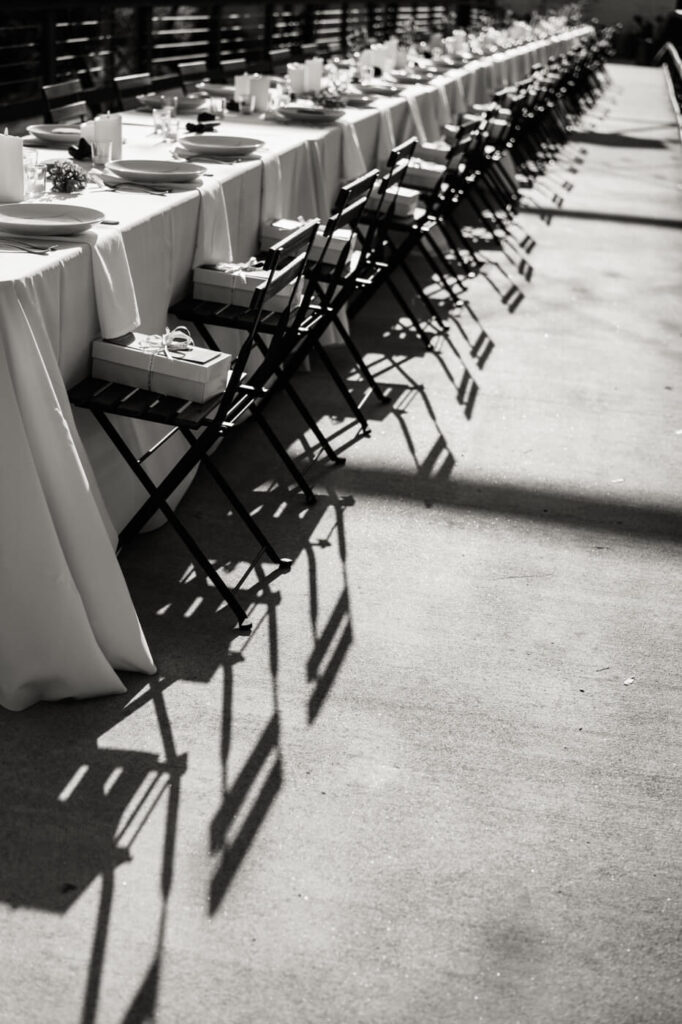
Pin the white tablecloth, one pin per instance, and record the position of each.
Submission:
(68, 622)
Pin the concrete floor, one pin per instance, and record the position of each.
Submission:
(440, 782)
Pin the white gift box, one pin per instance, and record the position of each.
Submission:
(195, 374)
(434, 152)
(406, 200)
(423, 174)
(234, 284)
(275, 230)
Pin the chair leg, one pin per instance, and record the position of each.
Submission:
(362, 365)
(284, 377)
(241, 510)
(260, 419)
(162, 505)
(343, 389)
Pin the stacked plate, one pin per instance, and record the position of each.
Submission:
(302, 113)
(55, 134)
(151, 172)
(224, 147)
(47, 218)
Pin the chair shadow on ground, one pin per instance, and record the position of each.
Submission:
(72, 810)
(617, 139)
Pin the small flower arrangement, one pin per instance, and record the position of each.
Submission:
(66, 177)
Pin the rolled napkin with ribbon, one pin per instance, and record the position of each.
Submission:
(169, 364)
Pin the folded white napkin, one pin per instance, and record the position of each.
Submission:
(417, 120)
(442, 105)
(386, 136)
(353, 162)
(114, 288)
(213, 242)
(272, 190)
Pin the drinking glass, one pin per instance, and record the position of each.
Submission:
(247, 104)
(101, 152)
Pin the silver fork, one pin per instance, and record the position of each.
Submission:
(12, 245)
(149, 189)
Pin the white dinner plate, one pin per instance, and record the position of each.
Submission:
(47, 218)
(154, 170)
(310, 115)
(220, 145)
(56, 134)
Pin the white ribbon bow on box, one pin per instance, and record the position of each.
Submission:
(174, 343)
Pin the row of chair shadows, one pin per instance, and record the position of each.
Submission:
(538, 114)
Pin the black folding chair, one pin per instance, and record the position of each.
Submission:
(230, 68)
(65, 102)
(191, 72)
(200, 424)
(332, 276)
(129, 87)
(309, 50)
(279, 60)
(277, 334)
(380, 265)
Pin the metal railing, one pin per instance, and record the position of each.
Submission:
(670, 58)
(43, 42)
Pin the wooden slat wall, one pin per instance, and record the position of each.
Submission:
(43, 42)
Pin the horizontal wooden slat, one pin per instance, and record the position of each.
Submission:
(47, 41)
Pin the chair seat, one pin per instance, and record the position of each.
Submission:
(138, 403)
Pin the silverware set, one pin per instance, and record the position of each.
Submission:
(152, 190)
(22, 245)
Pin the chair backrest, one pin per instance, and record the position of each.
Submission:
(324, 276)
(128, 87)
(65, 102)
(309, 50)
(287, 262)
(279, 60)
(230, 68)
(191, 72)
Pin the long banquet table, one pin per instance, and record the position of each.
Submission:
(68, 623)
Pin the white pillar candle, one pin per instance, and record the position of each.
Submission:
(260, 90)
(296, 76)
(108, 128)
(11, 169)
(242, 86)
(312, 74)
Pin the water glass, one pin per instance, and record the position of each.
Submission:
(247, 104)
(34, 176)
(101, 152)
(218, 106)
